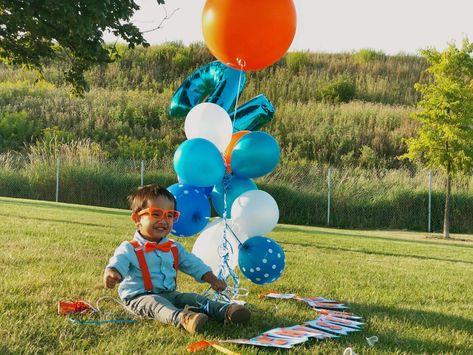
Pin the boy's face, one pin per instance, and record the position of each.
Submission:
(152, 228)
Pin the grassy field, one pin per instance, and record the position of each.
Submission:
(414, 292)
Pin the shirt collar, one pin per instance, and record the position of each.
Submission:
(142, 240)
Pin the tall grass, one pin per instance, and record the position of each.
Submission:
(360, 198)
(126, 109)
(134, 124)
(296, 77)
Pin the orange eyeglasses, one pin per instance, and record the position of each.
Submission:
(160, 214)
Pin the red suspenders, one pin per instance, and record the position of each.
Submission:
(144, 266)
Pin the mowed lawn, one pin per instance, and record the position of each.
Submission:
(413, 291)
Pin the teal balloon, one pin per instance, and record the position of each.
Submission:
(235, 186)
(198, 162)
(255, 154)
(261, 260)
(221, 85)
(253, 114)
(213, 82)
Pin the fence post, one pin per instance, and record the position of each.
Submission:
(142, 171)
(429, 223)
(58, 162)
(329, 185)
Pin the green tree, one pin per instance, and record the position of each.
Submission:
(33, 31)
(444, 139)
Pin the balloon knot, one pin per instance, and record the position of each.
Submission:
(241, 62)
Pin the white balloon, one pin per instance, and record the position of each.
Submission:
(208, 245)
(211, 122)
(255, 212)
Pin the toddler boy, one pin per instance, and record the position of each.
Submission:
(146, 268)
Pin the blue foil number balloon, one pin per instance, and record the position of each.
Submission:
(214, 82)
(261, 260)
(221, 85)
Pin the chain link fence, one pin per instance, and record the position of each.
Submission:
(307, 194)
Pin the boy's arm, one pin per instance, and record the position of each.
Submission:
(217, 284)
(118, 265)
(111, 277)
(191, 264)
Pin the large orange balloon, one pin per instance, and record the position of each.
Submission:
(252, 33)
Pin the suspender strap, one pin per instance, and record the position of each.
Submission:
(175, 254)
(143, 265)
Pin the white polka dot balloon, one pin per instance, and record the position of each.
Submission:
(261, 260)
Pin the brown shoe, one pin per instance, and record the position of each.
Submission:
(237, 314)
(192, 321)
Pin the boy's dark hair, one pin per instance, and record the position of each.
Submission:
(139, 199)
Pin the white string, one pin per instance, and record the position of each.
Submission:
(242, 64)
(110, 298)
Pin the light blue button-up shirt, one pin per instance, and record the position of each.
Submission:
(160, 265)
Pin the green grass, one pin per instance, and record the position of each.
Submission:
(414, 292)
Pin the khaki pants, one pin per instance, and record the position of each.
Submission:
(166, 306)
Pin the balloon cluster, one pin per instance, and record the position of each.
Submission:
(221, 156)
(214, 164)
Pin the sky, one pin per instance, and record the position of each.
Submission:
(391, 26)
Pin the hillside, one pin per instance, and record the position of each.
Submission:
(340, 109)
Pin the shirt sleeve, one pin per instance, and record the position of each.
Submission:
(191, 264)
(121, 259)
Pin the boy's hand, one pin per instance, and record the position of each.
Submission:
(217, 284)
(111, 277)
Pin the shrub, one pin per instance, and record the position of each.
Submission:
(16, 129)
(339, 90)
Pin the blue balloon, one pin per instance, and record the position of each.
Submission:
(236, 185)
(261, 260)
(219, 84)
(214, 81)
(207, 190)
(198, 162)
(253, 114)
(194, 207)
(255, 154)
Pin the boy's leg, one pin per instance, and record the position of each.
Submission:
(156, 307)
(216, 310)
